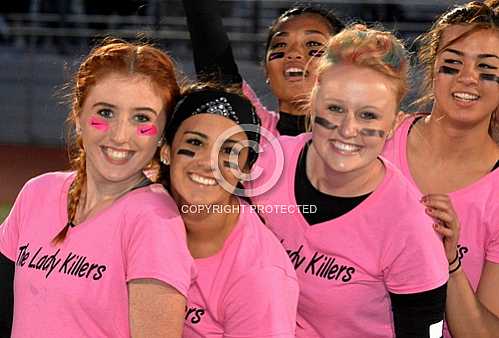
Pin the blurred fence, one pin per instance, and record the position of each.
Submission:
(41, 46)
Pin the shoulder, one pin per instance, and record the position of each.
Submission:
(48, 181)
(259, 247)
(150, 200)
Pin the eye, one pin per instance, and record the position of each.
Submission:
(106, 113)
(278, 45)
(453, 61)
(141, 118)
(314, 44)
(367, 115)
(195, 142)
(486, 66)
(335, 108)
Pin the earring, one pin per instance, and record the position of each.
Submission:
(160, 141)
(164, 161)
(267, 81)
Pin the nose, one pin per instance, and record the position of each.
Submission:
(295, 52)
(348, 127)
(468, 75)
(120, 131)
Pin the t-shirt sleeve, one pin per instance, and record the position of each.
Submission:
(492, 246)
(10, 228)
(414, 259)
(262, 303)
(268, 118)
(157, 248)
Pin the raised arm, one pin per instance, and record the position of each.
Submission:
(213, 58)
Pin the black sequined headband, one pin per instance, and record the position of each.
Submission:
(231, 106)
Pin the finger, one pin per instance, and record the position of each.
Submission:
(441, 203)
(449, 219)
(442, 230)
(435, 197)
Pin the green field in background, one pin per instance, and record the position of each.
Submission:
(4, 211)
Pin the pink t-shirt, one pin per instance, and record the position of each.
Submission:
(79, 288)
(476, 205)
(268, 118)
(248, 289)
(347, 266)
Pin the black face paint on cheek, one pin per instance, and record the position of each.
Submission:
(186, 152)
(489, 77)
(325, 123)
(275, 55)
(448, 70)
(316, 53)
(372, 132)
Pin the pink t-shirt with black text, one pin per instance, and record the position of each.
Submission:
(79, 288)
(347, 266)
(248, 289)
(477, 207)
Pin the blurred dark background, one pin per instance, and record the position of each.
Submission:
(42, 42)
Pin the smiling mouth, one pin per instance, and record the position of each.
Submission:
(117, 156)
(295, 73)
(202, 180)
(465, 97)
(346, 148)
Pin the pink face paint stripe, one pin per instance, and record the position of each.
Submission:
(147, 130)
(99, 123)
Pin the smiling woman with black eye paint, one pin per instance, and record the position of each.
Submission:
(368, 261)
(451, 157)
(246, 286)
(295, 43)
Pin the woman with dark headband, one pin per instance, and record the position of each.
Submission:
(368, 260)
(100, 251)
(295, 42)
(246, 285)
(452, 158)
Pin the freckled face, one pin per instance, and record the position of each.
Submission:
(354, 110)
(291, 59)
(192, 158)
(466, 75)
(121, 121)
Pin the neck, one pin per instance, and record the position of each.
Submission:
(207, 231)
(456, 141)
(99, 190)
(343, 184)
(290, 108)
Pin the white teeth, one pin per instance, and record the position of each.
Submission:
(202, 180)
(116, 155)
(294, 71)
(466, 96)
(346, 147)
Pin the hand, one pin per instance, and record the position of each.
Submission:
(439, 207)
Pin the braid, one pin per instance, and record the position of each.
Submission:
(75, 192)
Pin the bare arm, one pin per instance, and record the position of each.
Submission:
(156, 309)
(468, 314)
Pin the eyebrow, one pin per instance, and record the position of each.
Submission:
(197, 133)
(480, 56)
(109, 105)
(307, 32)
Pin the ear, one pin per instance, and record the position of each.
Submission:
(165, 154)
(399, 118)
